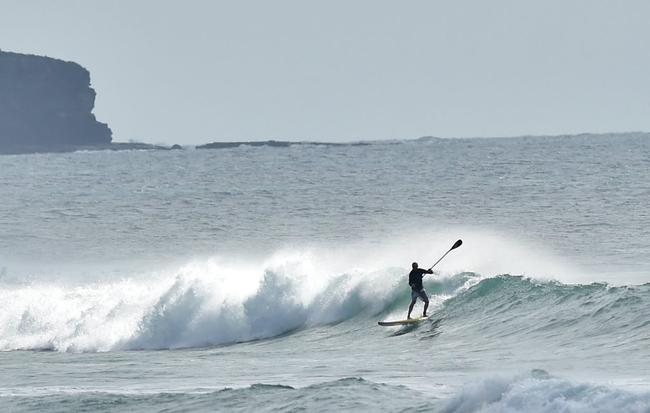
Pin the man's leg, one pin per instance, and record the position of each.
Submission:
(413, 300)
(426, 303)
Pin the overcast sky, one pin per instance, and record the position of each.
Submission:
(198, 71)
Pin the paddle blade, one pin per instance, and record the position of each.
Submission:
(457, 244)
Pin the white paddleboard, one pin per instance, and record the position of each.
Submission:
(402, 322)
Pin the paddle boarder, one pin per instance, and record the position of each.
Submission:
(415, 281)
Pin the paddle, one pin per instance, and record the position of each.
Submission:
(453, 247)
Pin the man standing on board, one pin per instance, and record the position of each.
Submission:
(415, 281)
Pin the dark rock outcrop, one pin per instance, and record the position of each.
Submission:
(46, 105)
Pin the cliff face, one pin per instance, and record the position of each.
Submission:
(46, 104)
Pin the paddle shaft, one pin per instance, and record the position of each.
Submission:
(439, 260)
(456, 245)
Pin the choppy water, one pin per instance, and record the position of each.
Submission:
(253, 278)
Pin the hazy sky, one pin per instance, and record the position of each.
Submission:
(198, 71)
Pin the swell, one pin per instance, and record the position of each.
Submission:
(347, 394)
(514, 309)
(534, 392)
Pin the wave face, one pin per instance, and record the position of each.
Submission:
(512, 309)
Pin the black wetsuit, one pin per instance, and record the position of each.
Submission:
(415, 278)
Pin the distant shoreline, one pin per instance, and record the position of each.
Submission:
(366, 142)
(121, 146)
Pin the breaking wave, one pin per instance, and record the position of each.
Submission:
(215, 301)
(202, 304)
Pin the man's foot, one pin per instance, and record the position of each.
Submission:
(425, 315)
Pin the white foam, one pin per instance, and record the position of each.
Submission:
(203, 303)
(539, 393)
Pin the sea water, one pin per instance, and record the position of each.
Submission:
(252, 278)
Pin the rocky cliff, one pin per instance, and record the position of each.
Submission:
(46, 104)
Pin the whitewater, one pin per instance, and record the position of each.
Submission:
(253, 277)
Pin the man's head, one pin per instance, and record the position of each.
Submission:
(414, 265)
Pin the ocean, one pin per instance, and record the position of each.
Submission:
(253, 278)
